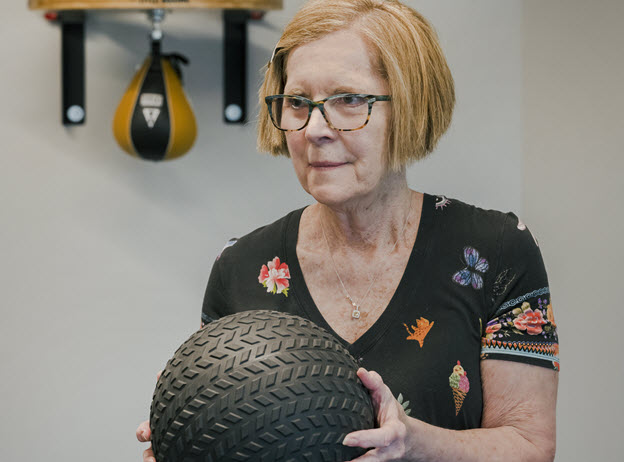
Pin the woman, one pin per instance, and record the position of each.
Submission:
(446, 302)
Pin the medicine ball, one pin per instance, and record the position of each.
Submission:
(259, 386)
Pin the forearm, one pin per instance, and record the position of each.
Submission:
(427, 443)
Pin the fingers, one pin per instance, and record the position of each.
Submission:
(371, 379)
(143, 432)
(148, 455)
(390, 433)
(383, 400)
(370, 456)
(158, 375)
(388, 441)
(375, 438)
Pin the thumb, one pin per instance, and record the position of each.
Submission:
(371, 379)
(143, 432)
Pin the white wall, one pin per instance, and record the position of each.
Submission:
(574, 103)
(105, 257)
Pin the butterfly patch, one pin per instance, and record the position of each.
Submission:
(475, 266)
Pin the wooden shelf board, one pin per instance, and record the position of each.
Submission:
(57, 5)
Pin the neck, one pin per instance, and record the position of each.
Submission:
(374, 221)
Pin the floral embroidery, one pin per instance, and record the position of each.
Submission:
(491, 328)
(441, 202)
(419, 331)
(275, 277)
(550, 315)
(535, 324)
(460, 385)
(474, 265)
(524, 320)
(531, 321)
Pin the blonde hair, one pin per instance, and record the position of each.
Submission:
(408, 56)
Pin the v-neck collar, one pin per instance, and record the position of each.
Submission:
(410, 281)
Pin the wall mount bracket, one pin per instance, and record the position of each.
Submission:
(71, 15)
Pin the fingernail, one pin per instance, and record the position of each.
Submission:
(349, 441)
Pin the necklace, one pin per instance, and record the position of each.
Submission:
(355, 314)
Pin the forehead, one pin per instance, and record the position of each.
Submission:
(340, 60)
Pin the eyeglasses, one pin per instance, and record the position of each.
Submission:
(345, 112)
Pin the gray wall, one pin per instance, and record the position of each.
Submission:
(573, 193)
(105, 257)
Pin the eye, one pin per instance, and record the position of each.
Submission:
(295, 103)
(351, 100)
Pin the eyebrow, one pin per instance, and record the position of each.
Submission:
(340, 90)
(336, 91)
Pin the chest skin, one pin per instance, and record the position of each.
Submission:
(357, 270)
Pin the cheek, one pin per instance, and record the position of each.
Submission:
(294, 142)
(371, 152)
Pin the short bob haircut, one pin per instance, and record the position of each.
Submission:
(408, 56)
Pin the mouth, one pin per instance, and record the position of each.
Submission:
(326, 165)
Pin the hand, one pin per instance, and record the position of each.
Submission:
(389, 440)
(144, 434)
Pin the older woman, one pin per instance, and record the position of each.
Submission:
(447, 303)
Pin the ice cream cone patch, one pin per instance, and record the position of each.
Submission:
(419, 331)
(460, 385)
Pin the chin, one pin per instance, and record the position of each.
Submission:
(331, 195)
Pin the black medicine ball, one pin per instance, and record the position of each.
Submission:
(259, 386)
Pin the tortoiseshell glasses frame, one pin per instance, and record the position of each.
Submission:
(370, 99)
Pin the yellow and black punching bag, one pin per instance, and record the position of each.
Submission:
(154, 120)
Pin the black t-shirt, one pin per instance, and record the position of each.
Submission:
(474, 288)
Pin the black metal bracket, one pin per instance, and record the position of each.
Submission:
(73, 66)
(235, 66)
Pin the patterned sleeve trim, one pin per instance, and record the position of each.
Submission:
(515, 301)
(543, 351)
(536, 325)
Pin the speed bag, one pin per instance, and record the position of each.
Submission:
(154, 120)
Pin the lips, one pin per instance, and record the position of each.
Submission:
(326, 164)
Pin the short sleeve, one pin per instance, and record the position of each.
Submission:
(521, 325)
(215, 302)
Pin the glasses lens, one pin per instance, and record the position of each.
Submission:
(347, 112)
(289, 113)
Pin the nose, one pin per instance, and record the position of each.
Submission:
(318, 129)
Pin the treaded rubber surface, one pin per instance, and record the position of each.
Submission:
(259, 386)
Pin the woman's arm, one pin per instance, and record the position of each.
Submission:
(518, 421)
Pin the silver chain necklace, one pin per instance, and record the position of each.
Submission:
(355, 314)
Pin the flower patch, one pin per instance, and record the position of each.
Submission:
(274, 276)
(524, 320)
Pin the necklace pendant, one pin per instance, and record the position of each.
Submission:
(356, 313)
